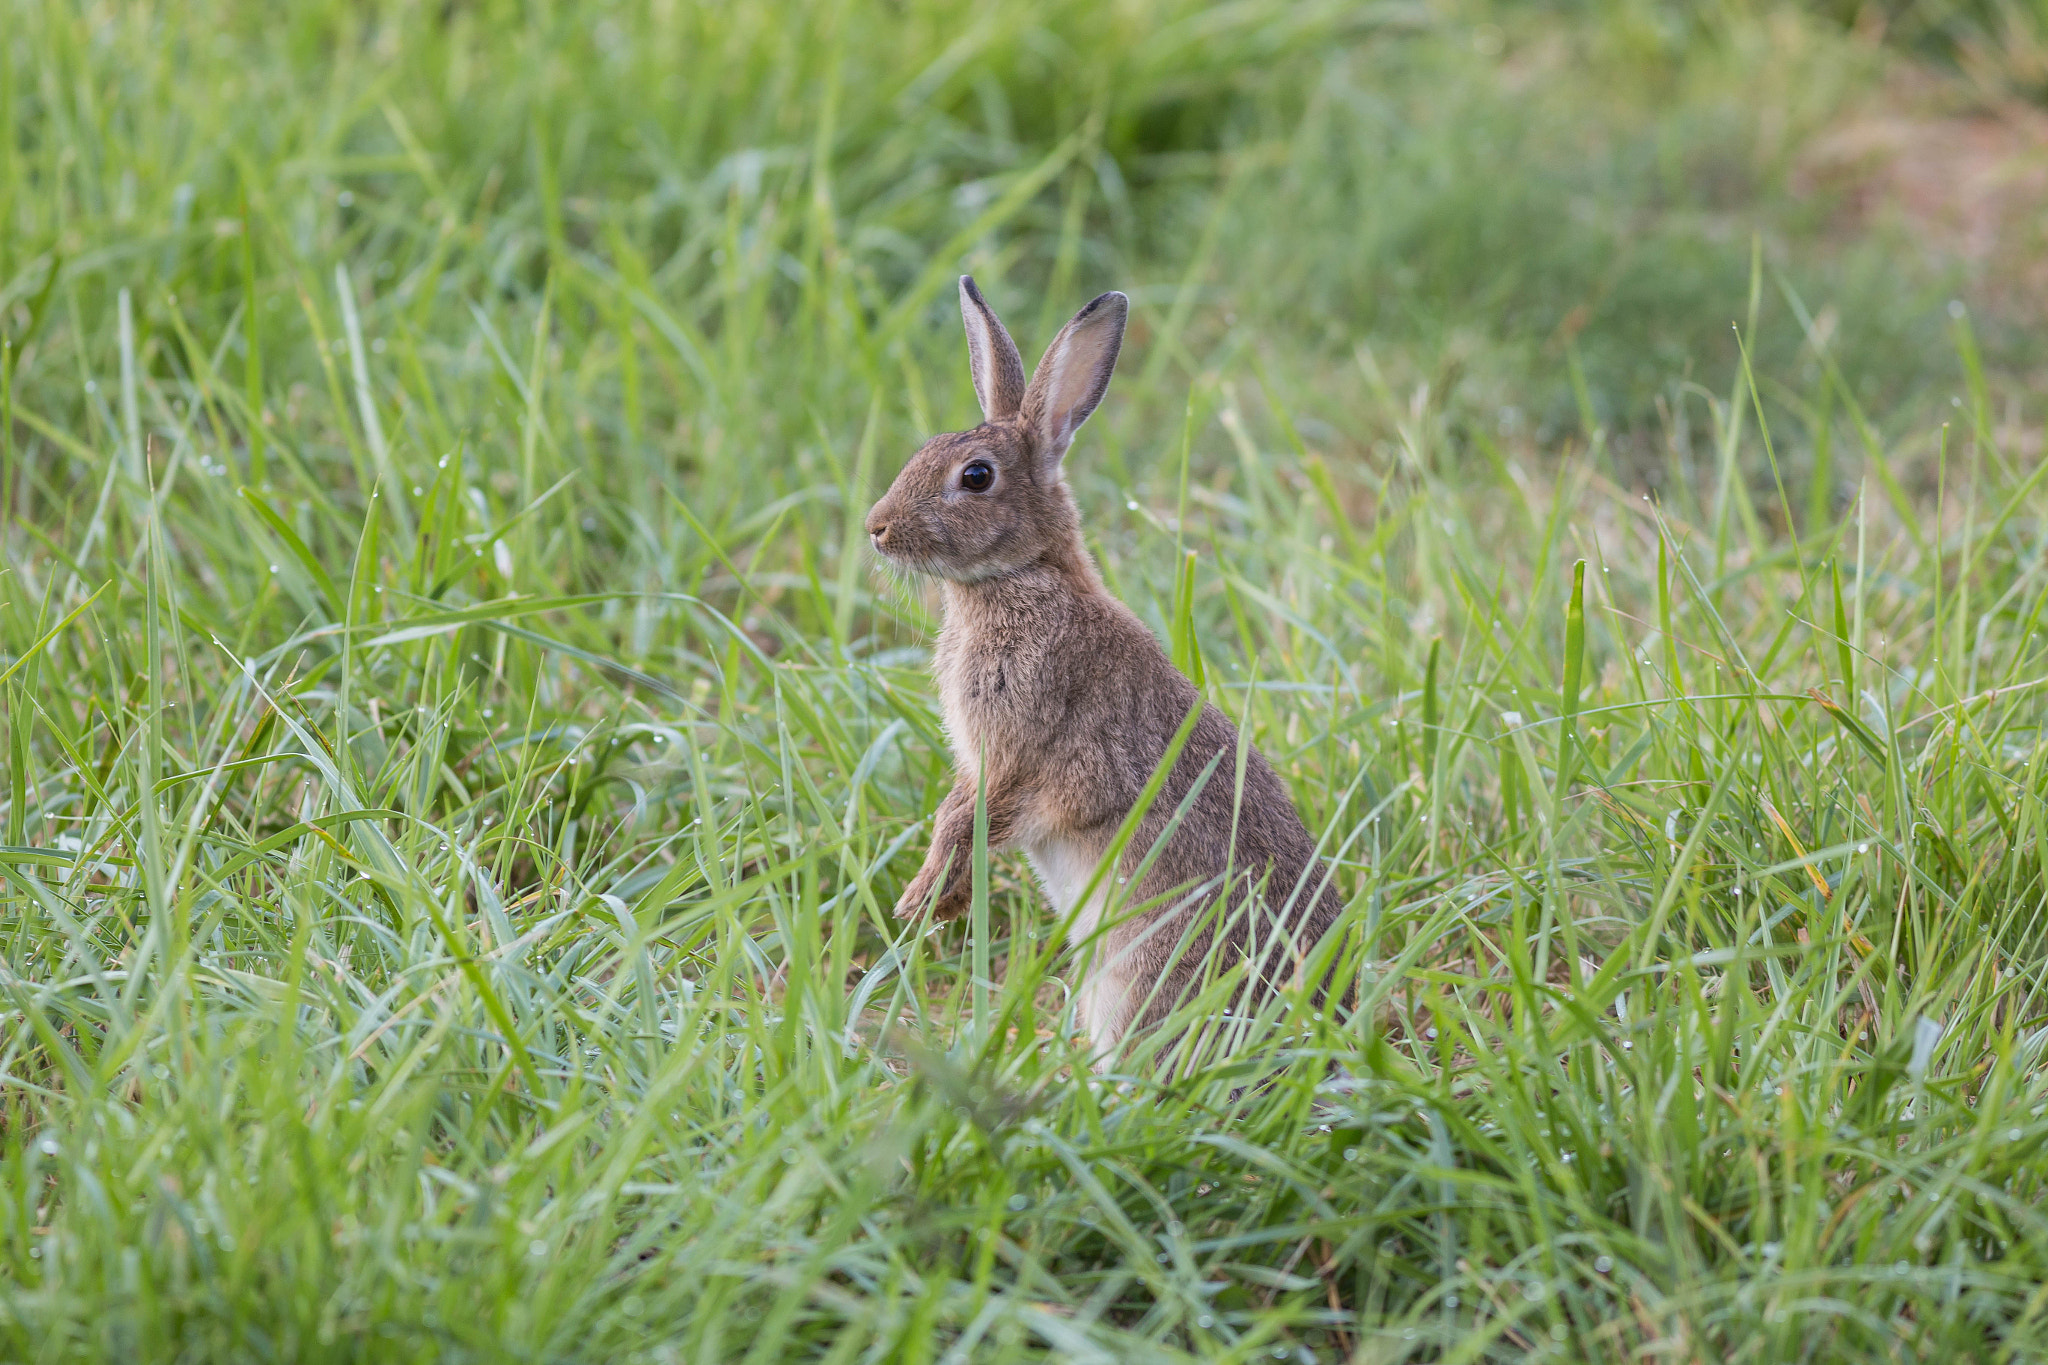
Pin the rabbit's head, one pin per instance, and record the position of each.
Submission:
(974, 505)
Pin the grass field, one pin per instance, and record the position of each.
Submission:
(459, 754)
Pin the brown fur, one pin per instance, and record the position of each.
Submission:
(1070, 702)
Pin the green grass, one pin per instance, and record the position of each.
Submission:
(455, 777)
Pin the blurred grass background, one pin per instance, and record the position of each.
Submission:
(456, 767)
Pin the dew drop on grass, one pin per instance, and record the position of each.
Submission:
(536, 1248)
(1602, 1264)
(1019, 1203)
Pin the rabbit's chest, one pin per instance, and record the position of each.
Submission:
(988, 699)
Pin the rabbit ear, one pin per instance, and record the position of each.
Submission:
(1074, 375)
(991, 356)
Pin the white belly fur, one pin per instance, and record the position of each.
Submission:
(1064, 868)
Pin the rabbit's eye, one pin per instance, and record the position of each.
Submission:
(977, 476)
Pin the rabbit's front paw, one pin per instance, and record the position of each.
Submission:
(915, 897)
(954, 900)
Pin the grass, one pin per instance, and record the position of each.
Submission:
(455, 776)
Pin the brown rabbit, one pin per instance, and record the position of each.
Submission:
(1072, 704)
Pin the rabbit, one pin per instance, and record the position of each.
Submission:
(1056, 696)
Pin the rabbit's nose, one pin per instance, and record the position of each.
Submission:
(878, 529)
